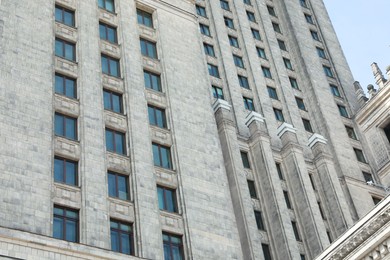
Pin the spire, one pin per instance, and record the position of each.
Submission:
(361, 96)
(379, 78)
(371, 90)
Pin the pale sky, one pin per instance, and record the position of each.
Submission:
(363, 29)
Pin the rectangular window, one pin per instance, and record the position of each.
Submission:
(204, 29)
(303, 257)
(266, 252)
(256, 34)
(148, 48)
(279, 169)
(65, 49)
(157, 116)
(321, 52)
(225, 5)
(252, 189)
(121, 237)
(248, 103)
(296, 232)
(335, 91)
(307, 125)
(368, 177)
(152, 81)
(276, 27)
(166, 199)
(209, 49)
(200, 10)
(213, 70)
(233, 41)
(321, 211)
(65, 171)
(271, 10)
(65, 126)
(245, 160)
(238, 61)
(107, 5)
(287, 64)
(272, 93)
(217, 92)
(287, 199)
(386, 130)
(328, 71)
(351, 132)
(64, 15)
(115, 141)
(261, 53)
(259, 220)
(118, 186)
(251, 16)
(107, 33)
(247, 2)
(282, 45)
(229, 22)
(309, 18)
(266, 72)
(162, 156)
(343, 111)
(279, 115)
(65, 86)
(303, 3)
(112, 101)
(110, 66)
(312, 181)
(66, 224)
(376, 200)
(329, 236)
(144, 18)
(243, 81)
(173, 247)
(359, 155)
(315, 35)
(300, 103)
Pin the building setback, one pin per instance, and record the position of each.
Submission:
(178, 129)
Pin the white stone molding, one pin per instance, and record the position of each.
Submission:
(253, 116)
(286, 127)
(316, 138)
(220, 103)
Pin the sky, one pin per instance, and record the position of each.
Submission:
(362, 27)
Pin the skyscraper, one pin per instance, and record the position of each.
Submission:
(176, 130)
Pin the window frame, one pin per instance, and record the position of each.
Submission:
(252, 189)
(143, 17)
(106, 33)
(120, 233)
(165, 201)
(245, 160)
(215, 90)
(233, 41)
(63, 133)
(272, 93)
(110, 72)
(335, 90)
(64, 173)
(343, 111)
(104, 6)
(65, 219)
(287, 199)
(63, 53)
(297, 234)
(287, 63)
(351, 132)
(229, 22)
(169, 245)
(261, 53)
(294, 83)
(266, 72)
(360, 155)
(111, 106)
(150, 75)
(201, 11)
(64, 87)
(63, 11)
(300, 103)
(307, 125)
(209, 49)
(315, 35)
(213, 70)
(156, 122)
(251, 16)
(116, 134)
(224, 5)
(256, 34)
(328, 71)
(271, 11)
(321, 53)
(276, 27)
(116, 187)
(148, 48)
(238, 61)
(259, 220)
(205, 29)
(243, 81)
(282, 45)
(167, 149)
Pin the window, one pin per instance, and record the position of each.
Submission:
(121, 237)
(252, 189)
(295, 229)
(115, 141)
(328, 71)
(303, 3)
(261, 53)
(335, 90)
(259, 220)
(233, 41)
(321, 52)
(287, 199)
(152, 81)
(173, 247)
(300, 103)
(251, 16)
(287, 64)
(65, 171)
(312, 181)
(279, 115)
(271, 10)
(293, 83)
(315, 35)
(321, 211)
(157, 116)
(217, 92)
(166, 199)
(224, 5)
(248, 103)
(266, 252)
(282, 45)
(229, 22)
(204, 29)
(213, 70)
(112, 101)
(329, 236)
(110, 66)
(276, 27)
(307, 125)
(272, 93)
(66, 50)
(376, 200)
(247, 2)
(144, 18)
(245, 160)
(351, 133)
(65, 126)
(266, 72)
(359, 155)
(303, 257)
(209, 49)
(65, 224)
(343, 111)
(64, 16)
(309, 18)
(279, 169)
(386, 129)
(107, 33)
(238, 61)
(65, 86)
(148, 48)
(256, 34)
(118, 186)
(107, 5)
(243, 81)
(200, 10)
(162, 156)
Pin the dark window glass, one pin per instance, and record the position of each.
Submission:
(152, 81)
(351, 133)
(266, 252)
(66, 224)
(335, 90)
(209, 49)
(110, 66)
(115, 141)
(65, 171)
(294, 83)
(157, 116)
(248, 103)
(144, 18)
(107, 5)
(245, 160)
(259, 220)
(303, 3)
(312, 182)
(213, 70)
(266, 72)
(148, 49)
(204, 29)
(329, 236)
(287, 199)
(282, 45)
(279, 115)
(252, 189)
(65, 86)
(287, 64)
(121, 237)
(359, 155)
(162, 156)
(343, 111)
(368, 177)
(296, 232)
(251, 16)
(300, 103)
(303, 257)
(233, 41)
(217, 92)
(64, 16)
(243, 81)
(107, 33)
(386, 129)
(229, 22)
(256, 34)
(66, 50)
(272, 93)
(376, 200)
(279, 169)
(166, 199)
(248, 2)
(173, 247)
(328, 71)
(309, 18)
(321, 53)
(276, 27)
(261, 53)
(238, 61)
(112, 101)
(118, 186)
(65, 126)
(271, 10)
(307, 125)
(200, 10)
(321, 211)
(225, 5)
(315, 35)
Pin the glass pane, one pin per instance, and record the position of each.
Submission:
(116, 103)
(170, 200)
(156, 82)
(58, 211)
(152, 118)
(107, 100)
(114, 241)
(160, 194)
(165, 158)
(122, 187)
(119, 143)
(111, 186)
(58, 15)
(152, 50)
(69, 51)
(104, 65)
(175, 240)
(114, 224)
(111, 35)
(176, 253)
(59, 125)
(167, 252)
(57, 228)
(125, 241)
(68, 18)
(101, 3)
(71, 173)
(160, 118)
(139, 17)
(165, 237)
(109, 140)
(147, 80)
(156, 155)
(143, 47)
(58, 171)
(71, 231)
(58, 49)
(114, 70)
(110, 5)
(148, 21)
(70, 128)
(71, 214)
(102, 31)
(59, 85)
(70, 90)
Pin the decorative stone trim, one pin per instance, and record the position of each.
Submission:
(316, 138)
(220, 103)
(286, 127)
(253, 116)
